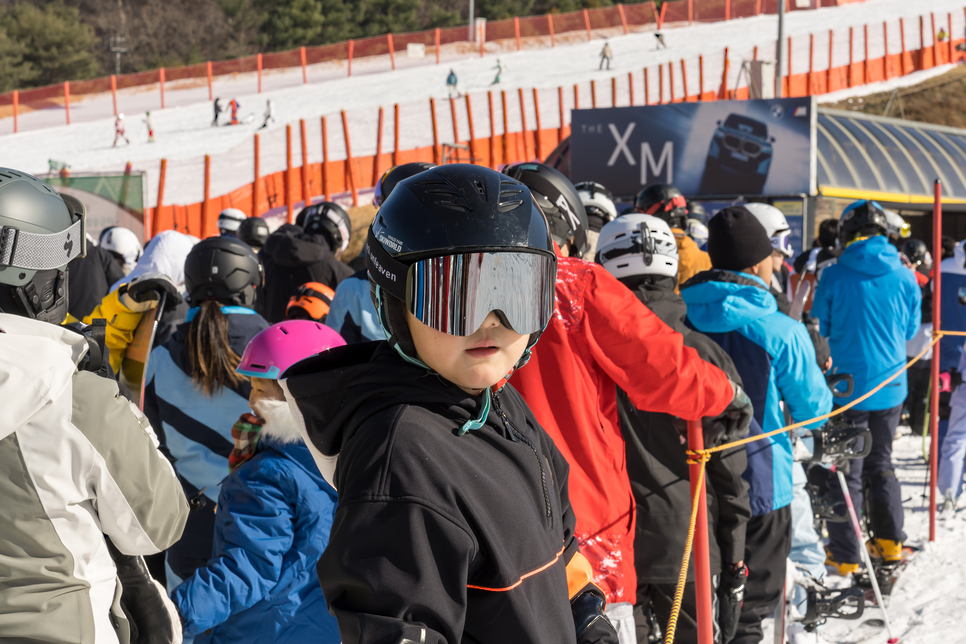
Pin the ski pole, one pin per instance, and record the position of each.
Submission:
(865, 554)
(147, 356)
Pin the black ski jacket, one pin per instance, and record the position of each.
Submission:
(658, 470)
(292, 260)
(90, 279)
(437, 537)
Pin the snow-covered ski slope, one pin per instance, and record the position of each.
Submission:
(184, 135)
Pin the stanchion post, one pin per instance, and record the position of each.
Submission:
(289, 206)
(937, 245)
(702, 557)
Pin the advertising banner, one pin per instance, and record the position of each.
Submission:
(712, 149)
(111, 199)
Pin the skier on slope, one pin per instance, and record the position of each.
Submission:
(234, 105)
(218, 111)
(149, 122)
(500, 68)
(78, 459)
(119, 130)
(269, 114)
(606, 54)
(451, 84)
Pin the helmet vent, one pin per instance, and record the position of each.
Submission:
(449, 196)
(508, 190)
(48, 291)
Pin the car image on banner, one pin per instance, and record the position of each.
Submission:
(720, 148)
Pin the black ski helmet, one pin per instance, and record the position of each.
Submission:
(917, 252)
(331, 221)
(224, 269)
(862, 219)
(254, 232)
(696, 211)
(448, 210)
(559, 201)
(664, 201)
(40, 233)
(394, 175)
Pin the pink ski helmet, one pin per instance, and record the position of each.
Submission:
(275, 349)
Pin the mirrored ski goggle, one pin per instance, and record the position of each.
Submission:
(455, 293)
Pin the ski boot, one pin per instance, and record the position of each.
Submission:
(888, 560)
(841, 569)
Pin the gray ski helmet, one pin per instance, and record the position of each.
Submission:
(223, 269)
(254, 232)
(559, 201)
(41, 231)
(331, 221)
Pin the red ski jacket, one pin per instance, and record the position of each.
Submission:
(601, 337)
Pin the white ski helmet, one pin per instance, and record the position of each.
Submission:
(897, 226)
(775, 225)
(598, 202)
(229, 220)
(635, 244)
(123, 244)
(697, 231)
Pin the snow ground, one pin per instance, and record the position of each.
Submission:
(929, 601)
(183, 134)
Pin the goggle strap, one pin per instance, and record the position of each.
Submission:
(38, 251)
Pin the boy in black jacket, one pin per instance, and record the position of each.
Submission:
(640, 250)
(454, 523)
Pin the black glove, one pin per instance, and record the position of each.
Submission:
(154, 618)
(731, 595)
(143, 292)
(731, 424)
(591, 624)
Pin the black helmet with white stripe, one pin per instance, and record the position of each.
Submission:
(559, 201)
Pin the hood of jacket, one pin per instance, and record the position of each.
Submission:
(660, 298)
(720, 301)
(164, 254)
(298, 453)
(335, 392)
(295, 251)
(873, 256)
(37, 362)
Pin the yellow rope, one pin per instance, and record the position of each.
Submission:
(702, 456)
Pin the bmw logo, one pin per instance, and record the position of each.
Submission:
(777, 112)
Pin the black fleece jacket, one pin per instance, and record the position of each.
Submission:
(292, 259)
(437, 537)
(658, 470)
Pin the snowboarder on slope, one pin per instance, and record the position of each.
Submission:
(234, 105)
(269, 114)
(606, 54)
(660, 44)
(218, 110)
(500, 68)
(149, 122)
(451, 84)
(119, 130)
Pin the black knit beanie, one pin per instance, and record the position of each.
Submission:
(736, 240)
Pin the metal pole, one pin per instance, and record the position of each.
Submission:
(778, 54)
(472, 32)
(937, 238)
(702, 558)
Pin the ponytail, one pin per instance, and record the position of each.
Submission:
(210, 355)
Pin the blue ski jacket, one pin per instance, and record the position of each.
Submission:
(868, 306)
(273, 521)
(352, 313)
(951, 314)
(776, 361)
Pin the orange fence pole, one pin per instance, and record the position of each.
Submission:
(811, 64)
(392, 52)
(537, 148)
(647, 94)
(563, 109)
(789, 92)
(684, 80)
(660, 83)
(161, 84)
(67, 100)
(258, 62)
(660, 22)
(553, 42)
(523, 121)
(670, 79)
(114, 92)
(758, 8)
(395, 135)
(436, 36)
(885, 59)
(935, 47)
(630, 87)
(375, 159)
(305, 73)
(506, 131)
(593, 94)
(306, 197)
(258, 166)
(349, 162)
(828, 73)
(937, 239)
(576, 97)
(352, 46)
(493, 163)
(16, 108)
(516, 30)
(211, 92)
(482, 41)
(587, 23)
(620, 9)
(325, 161)
(851, 55)
(727, 9)
(456, 129)
(949, 40)
(288, 175)
(205, 206)
(469, 119)
(702, 557)
(865, 63)
(701, 78)
(723, 91)
(902, 39)
(613, 92)
(436, 151)
(157, 209)
(690, 12)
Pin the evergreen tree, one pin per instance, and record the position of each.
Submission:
(56, 44)
(13, 69)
